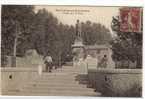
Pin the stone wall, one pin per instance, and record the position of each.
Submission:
(116, 82)
(13, 79)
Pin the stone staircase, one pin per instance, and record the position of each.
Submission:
(65, 81)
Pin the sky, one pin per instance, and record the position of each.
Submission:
(69, 14)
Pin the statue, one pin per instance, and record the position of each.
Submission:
(78, 30)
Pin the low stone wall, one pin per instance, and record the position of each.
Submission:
(117, 82)
(13, 79)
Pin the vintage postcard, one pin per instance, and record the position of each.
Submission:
(70, 50)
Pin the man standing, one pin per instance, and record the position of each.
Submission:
(48, 62)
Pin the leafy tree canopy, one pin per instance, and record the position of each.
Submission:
(126, 46)
(43, 31)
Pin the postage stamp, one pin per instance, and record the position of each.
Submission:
(130, 19)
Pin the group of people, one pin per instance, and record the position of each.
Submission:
(49, 62)
(99, 62)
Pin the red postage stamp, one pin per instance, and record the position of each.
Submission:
(130, 19)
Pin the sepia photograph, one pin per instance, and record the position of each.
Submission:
(71, 50)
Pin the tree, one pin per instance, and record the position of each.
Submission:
(95, 33)
(14, 16)
(52, 37)
(17, 23)
(40, 35)
(126, 46)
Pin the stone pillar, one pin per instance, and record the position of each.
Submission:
(111, 63)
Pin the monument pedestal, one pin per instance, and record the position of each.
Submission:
(78, 52)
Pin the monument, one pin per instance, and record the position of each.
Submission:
(94, 52)
(78, 46)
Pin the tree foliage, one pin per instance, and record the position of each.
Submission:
(42, 31)
(95, 33)
(13, 15)
(126, 46)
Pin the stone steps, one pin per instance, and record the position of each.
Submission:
(59, 74)
(53, 93)
(61, 82)
(55, 86)
(59, 79)
(57, 89)
(65, 77)
(59, 92)
(52, 83)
